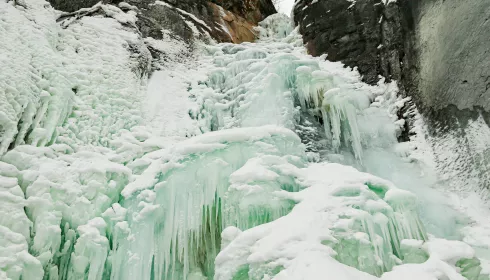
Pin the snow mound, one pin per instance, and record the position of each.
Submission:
(344, 219)
(342, 214)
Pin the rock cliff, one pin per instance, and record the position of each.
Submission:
(224, 21)
(438, 52)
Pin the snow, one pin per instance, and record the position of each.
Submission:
(167, 95)
(285, 6)
(204, 143)
(306, 242)
(215, 167)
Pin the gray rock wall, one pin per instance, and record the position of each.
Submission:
(454, 49)
(449, 77)
(346, 32)
(438, 50)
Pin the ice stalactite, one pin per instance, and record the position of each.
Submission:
(59, 91)
(185, 198)
(361, 224)
(63, 193)
(337, 102)
(88, 260)
(35, 95)
(390, 220)
(15, 227)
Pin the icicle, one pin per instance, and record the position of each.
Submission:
(363, 223)
(342, 119)
(89, 258)
(188, 203)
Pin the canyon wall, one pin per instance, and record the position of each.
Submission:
(437, 50)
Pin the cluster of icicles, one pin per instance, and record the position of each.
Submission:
(193, 210)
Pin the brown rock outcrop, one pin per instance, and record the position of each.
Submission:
(236, 28)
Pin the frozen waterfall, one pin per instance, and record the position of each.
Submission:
(255, 161)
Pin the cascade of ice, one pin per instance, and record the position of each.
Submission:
(237, 182)
(282, 78)
(182, 202)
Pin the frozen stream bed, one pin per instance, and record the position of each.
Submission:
(252, 161)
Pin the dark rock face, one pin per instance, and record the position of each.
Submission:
(438, 50)
(346, 32)
(368, 35)
(71, 6)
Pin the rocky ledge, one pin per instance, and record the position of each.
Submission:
(223, 21)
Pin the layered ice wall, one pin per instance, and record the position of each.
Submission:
(221, 169)
(185, 198)
(34, 81)
(276, 77)
(66, 94)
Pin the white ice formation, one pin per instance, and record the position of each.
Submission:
(232, 166)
